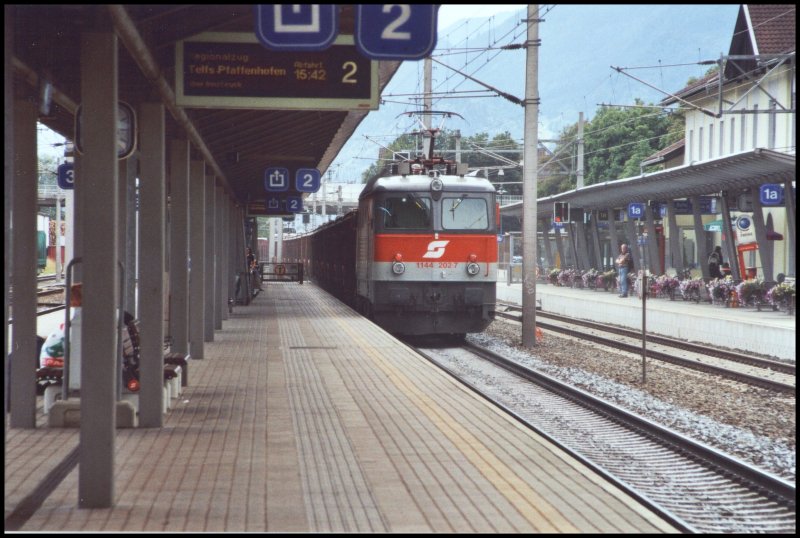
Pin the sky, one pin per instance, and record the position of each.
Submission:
(450, 14)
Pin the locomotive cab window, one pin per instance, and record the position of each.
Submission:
(465, 213)
(404, 212)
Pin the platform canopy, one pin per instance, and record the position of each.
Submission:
(237, 144)
(733, 173)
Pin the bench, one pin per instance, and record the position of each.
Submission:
(176, 371)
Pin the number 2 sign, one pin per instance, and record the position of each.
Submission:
(396, 31)
(307, 180)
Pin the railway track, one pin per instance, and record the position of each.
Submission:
(698, 489)
(773, 375)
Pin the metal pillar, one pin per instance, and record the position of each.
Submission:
(598, 249)
(209, 285)
(728, 242)
(765, 247)
(654, 259)
(582, 246)
(23, 278)
(548, 251)
(700, 237)
(219, 257)
(612, 235)
(791, 222)
(197, 292)
(560, 248)
(126, 217)
(633, 244)
(151, 278)
(179, 246)
(675, 245)
(98, 227)
(572, 238)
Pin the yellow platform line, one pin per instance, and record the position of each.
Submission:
(538, 511)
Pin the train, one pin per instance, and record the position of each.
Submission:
(419, 254)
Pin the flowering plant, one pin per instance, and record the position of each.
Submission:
(590, 278)
(568, 277)
(669, 282)
(666, 285)
(750, 290)
(779, 293)
(690, 288)
(721, 288)
(609, 279)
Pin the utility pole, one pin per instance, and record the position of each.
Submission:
(530, 178)
(579, 168)
(325, 198)
(427, 136)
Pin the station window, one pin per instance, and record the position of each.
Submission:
(464, 213)
(406, 212)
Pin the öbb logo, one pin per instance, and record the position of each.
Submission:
(435, 249)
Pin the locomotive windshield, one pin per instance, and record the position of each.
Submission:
(465, 213)
(404, 212)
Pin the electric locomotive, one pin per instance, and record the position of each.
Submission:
(426, 255)
(418, 256)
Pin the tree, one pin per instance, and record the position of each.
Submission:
(618, 139)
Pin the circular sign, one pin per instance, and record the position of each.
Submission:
(743, 222)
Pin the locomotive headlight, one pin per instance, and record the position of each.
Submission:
(398, 268)
(473, 268)
(437, 185)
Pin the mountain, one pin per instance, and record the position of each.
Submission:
(580, 43)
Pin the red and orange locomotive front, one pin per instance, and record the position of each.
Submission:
(426, 253)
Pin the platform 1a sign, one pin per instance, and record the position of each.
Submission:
(636, 210)
(770, 194)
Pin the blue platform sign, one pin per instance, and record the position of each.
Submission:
(294, 204)
(771, 194)
(635, 210)
(66, 176)
(296, 27)
(307, 180)
(276, 179)
(396, 31)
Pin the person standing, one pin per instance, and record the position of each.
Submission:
(252, 268)
(625, 265)
(715, 263)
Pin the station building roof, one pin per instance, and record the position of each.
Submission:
(237, 144)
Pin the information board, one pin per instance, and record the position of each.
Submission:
(233, 70)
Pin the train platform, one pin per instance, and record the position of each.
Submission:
(306, 417)
(745, 329)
